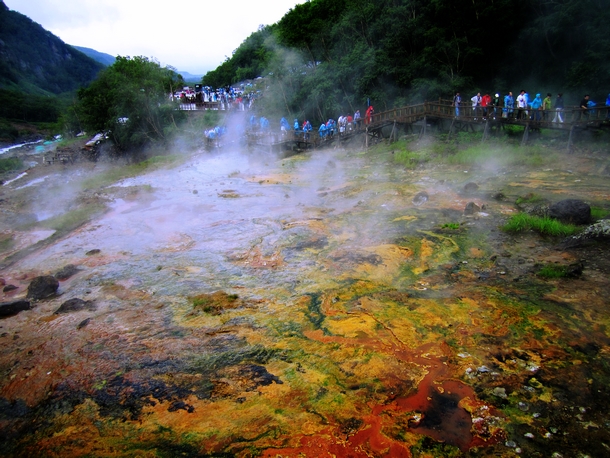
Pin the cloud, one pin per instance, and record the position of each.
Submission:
(191, 35)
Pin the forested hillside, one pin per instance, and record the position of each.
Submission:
(37, 73)
(36, 61)
(330, 56)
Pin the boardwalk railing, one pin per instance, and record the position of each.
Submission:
(444, 109)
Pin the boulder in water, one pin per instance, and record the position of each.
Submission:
(42, 287)
(571, 211)
(420, 198)
(471, 187)
(471, 208)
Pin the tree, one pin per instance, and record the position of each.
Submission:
(130, 99)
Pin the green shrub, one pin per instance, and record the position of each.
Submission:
(10, 163)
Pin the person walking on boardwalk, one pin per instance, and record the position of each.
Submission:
(457, 100)
(357, 120)
(584, 108)
(476, 105)
(485, 103)
(546, 106)
(495, 103)
(536, 107)
(521, 104)
(558, 108)
(509, 105)
(368, 117)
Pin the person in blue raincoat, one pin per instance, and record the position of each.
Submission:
(307, 128)
(509, 105)
(536, 107)
(264, 123)
(322, 130)
(590, 105)
(284, 126)
(608, 105)
(296, 125)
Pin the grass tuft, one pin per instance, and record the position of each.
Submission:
(554, 271)
(543, 225)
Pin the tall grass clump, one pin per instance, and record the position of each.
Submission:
(552, 271)
(522, 222)
(502, 155)
(599, 213)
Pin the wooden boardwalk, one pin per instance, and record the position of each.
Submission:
(440, 115)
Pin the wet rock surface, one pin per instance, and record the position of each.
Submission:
(350, 320)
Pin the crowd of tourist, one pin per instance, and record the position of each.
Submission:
(523, 107)
(223, 98)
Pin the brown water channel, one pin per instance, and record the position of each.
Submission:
(247, 305)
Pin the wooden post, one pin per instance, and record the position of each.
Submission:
(525, 134)
(423, 131)
(451, 129)
(570, 140)
(366, 138)
(486, 130)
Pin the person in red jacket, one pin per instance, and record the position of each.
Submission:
(369, 115)
(485, 102)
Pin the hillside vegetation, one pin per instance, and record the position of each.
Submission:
(330, 56)
(38, 72)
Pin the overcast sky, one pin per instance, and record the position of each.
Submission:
(191, 35)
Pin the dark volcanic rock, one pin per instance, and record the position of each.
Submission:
(42, 287)
(66, 272)
(13, 308)
(8, 288)
(74, 305)
(93, 252)
(471, 187)
(471, 208)
(571, 211)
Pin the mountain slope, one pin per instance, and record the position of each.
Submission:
(101, 57)
(34, 60)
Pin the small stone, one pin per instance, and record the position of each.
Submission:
(66, 272)
(471, 208)
(93, 252)
(420, 198)
(523, 406)
(499, 392)
(9, 288)
(510, 444)
(529, 435)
